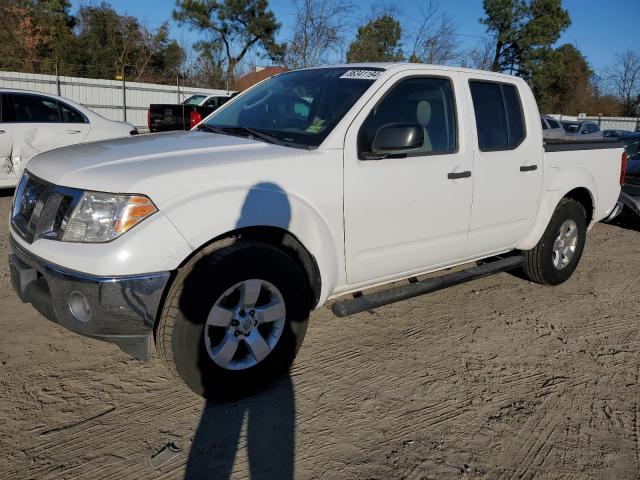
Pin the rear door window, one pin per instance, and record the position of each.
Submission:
(70, 114)
(499, 116)
(553, 123)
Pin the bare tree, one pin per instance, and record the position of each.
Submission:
(479, 56)
(319, 32)
(435, 40)
(624, 77)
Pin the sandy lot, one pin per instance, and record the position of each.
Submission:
(499, 378)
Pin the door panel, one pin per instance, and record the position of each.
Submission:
(508, 167)
(39, 123)
(7, 172)
(404, 215)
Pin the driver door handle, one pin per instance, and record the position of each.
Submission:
(528, 168)
(457, 175)
(73, 132)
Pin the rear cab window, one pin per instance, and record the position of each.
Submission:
(499, 116)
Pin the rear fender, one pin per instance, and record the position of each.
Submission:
(557, 185)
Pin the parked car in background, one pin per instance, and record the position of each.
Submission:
(34, 122)
(312, 185)
(630, 194)
(165, 117)
(615, 133)
(551, 128)
(581, 130)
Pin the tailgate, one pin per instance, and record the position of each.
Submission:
(166, 117)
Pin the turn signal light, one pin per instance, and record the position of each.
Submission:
(137, 209)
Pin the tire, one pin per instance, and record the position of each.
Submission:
(547, 266)
(187, 344)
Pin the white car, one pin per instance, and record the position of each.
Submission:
(33, 122)
(214, 245)
(551, 128)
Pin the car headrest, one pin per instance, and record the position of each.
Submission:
(423, 113)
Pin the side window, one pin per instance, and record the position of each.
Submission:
(427, 102)
(499, 117)
(553, 123)
(32, 109)
(70, 115)
(212, 103)
(544, 124)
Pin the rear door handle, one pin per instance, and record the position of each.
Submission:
(528, 168)
(456, 175)
(73, 132)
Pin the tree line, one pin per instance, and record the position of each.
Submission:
(521, 37)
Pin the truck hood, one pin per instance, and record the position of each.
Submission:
(138, 164)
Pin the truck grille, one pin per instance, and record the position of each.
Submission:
(41, 209)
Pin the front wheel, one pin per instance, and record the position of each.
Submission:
(234, 318)
(556, 256)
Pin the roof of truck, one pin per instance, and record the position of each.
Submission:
(393, 66)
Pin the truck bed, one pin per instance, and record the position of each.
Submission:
(562, 145)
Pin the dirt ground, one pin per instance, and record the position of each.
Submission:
(500, 378)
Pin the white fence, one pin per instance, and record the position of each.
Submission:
(605, 123)
(105, 97)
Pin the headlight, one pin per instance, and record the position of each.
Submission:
(100, 217)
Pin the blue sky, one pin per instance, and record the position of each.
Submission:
(599, 28)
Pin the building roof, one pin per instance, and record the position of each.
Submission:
(256, 76)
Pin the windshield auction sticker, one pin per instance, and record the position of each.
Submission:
(362, 74)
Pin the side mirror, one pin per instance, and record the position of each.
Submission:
(397, 138)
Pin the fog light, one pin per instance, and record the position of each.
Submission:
(79, 306)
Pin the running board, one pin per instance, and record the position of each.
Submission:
(414, 288)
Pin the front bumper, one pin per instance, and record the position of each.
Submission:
(118, 309)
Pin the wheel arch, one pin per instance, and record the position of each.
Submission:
(584, 197)
(582, 194)
(274, 236)
(283, 240)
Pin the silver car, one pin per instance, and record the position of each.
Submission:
(582, 130)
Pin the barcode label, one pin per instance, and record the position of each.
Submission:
(362, 74)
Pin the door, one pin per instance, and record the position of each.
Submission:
(408, 212)
(8, 177)
(39, 123)
(508, 167)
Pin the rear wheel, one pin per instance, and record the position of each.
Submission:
(234, 318)
(556, 256)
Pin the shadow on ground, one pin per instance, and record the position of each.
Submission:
(269, 417)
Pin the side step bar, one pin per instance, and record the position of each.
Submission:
(361, 303)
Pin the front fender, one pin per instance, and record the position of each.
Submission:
(204, 215)
(558, 183)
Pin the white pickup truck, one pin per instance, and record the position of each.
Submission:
(216, 244)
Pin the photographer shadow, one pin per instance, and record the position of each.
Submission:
(269, 415)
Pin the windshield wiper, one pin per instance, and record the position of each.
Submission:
(250, 133)
(209, 128)
(239, 130)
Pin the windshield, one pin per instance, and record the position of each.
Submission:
(298, 108)
(194, 100)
